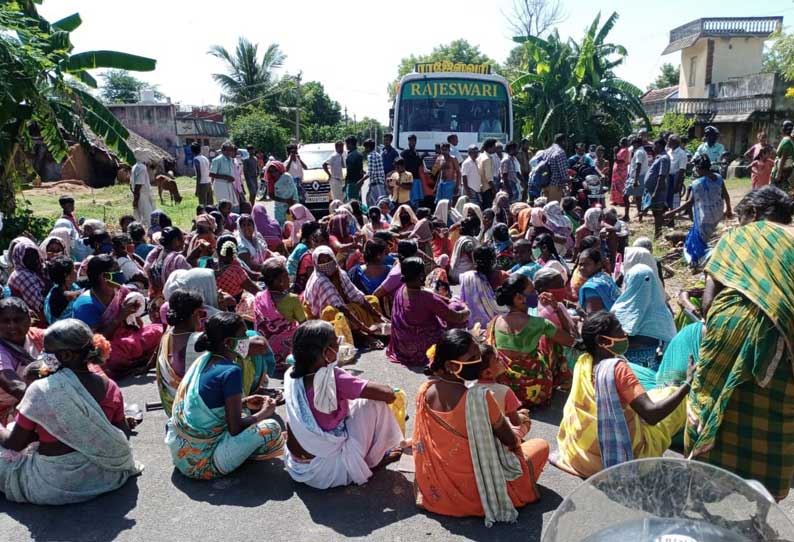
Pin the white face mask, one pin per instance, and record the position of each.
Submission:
(241, 347)
(335, 361)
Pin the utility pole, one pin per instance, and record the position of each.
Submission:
(345, 116)
(298, 109)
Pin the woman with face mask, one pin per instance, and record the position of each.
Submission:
(469, 462)
(115, 311)
(330, 295)
(215, 424)
(516, 336)
(340, 427)
(552, 294)
(609, 418)
(77, 417)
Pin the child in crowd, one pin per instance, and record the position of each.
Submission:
(67, 207)
(59, 300)
(400, 183)
(492, 368)
(125, 221)
(572, 211)
(503, 247)
(761, 167)
(137, 233)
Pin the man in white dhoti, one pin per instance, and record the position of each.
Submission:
(222, 175)
(142, 204)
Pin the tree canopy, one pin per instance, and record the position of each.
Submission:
(41, 92)
(455, 51)
(570, 87)
(248, 78)
(668, 77)
(121, 87)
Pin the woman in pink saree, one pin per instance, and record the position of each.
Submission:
(115, 311)
(277, 312)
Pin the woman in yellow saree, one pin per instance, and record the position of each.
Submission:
(609, 418)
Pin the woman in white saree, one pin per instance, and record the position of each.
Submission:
(75, 415)
(340, 427)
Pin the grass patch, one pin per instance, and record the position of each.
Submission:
(110, 203)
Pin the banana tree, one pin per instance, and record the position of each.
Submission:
(43, 90)
(570, 87)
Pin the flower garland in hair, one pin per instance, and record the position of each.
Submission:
(226, 247)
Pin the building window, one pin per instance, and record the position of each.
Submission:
(692, 66)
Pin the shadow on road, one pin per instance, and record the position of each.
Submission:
(360, 510)
(102, 518)
(529, 524)
(253, 484)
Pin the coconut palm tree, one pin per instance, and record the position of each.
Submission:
(43, 91)
(248, 78)
(569, 87)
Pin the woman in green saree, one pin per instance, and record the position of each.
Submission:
(211, 432)
(741, 408)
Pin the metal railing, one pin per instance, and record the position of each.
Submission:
(708, 106)
(743, 26)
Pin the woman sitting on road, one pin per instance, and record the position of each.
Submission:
(369, 276)
(27, 281)
(477, 287)
(77, 417)
(331, 296)
(59, 302)
(599, 292)
(644, 316)
(419, 317)
(462, 254)
(230, 275)
(252, 246)
(210, 432)
(168, 257)
(339, 427)
(499, 472)
(516, 336)
(20, 345)
(609, 418)
(115, 312)
(186, 318)
(278, 312)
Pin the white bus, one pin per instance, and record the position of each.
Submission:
(445, 98)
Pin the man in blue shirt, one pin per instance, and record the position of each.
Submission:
(711, 148)
(389, 154)
(580, 157)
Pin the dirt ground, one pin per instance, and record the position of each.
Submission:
(683, 276)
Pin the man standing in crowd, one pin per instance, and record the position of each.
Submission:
(711, 148)
(375, 174)
(556, 161)
(580, 157)
(389, 154)
(413, 162)
(355, 169)
(637, 169)
(487, 172)
(655, 186)
(222, 175)
(251, 174)
(333, 168)
(678, 162)
(142, 204)
(203, 183)
(446, 168)
(507, 170)
(452, 139)
(473, 184)
(523, 158)
(295, 167)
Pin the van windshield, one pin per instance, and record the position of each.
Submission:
(315, 159)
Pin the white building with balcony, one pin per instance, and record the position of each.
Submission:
(722, 82)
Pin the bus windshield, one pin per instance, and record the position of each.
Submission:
(462, 106)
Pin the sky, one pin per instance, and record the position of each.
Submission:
(354, 48)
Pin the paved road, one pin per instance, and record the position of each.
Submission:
(261, 502)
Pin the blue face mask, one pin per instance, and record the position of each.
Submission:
(106, 248)
(532, 300)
